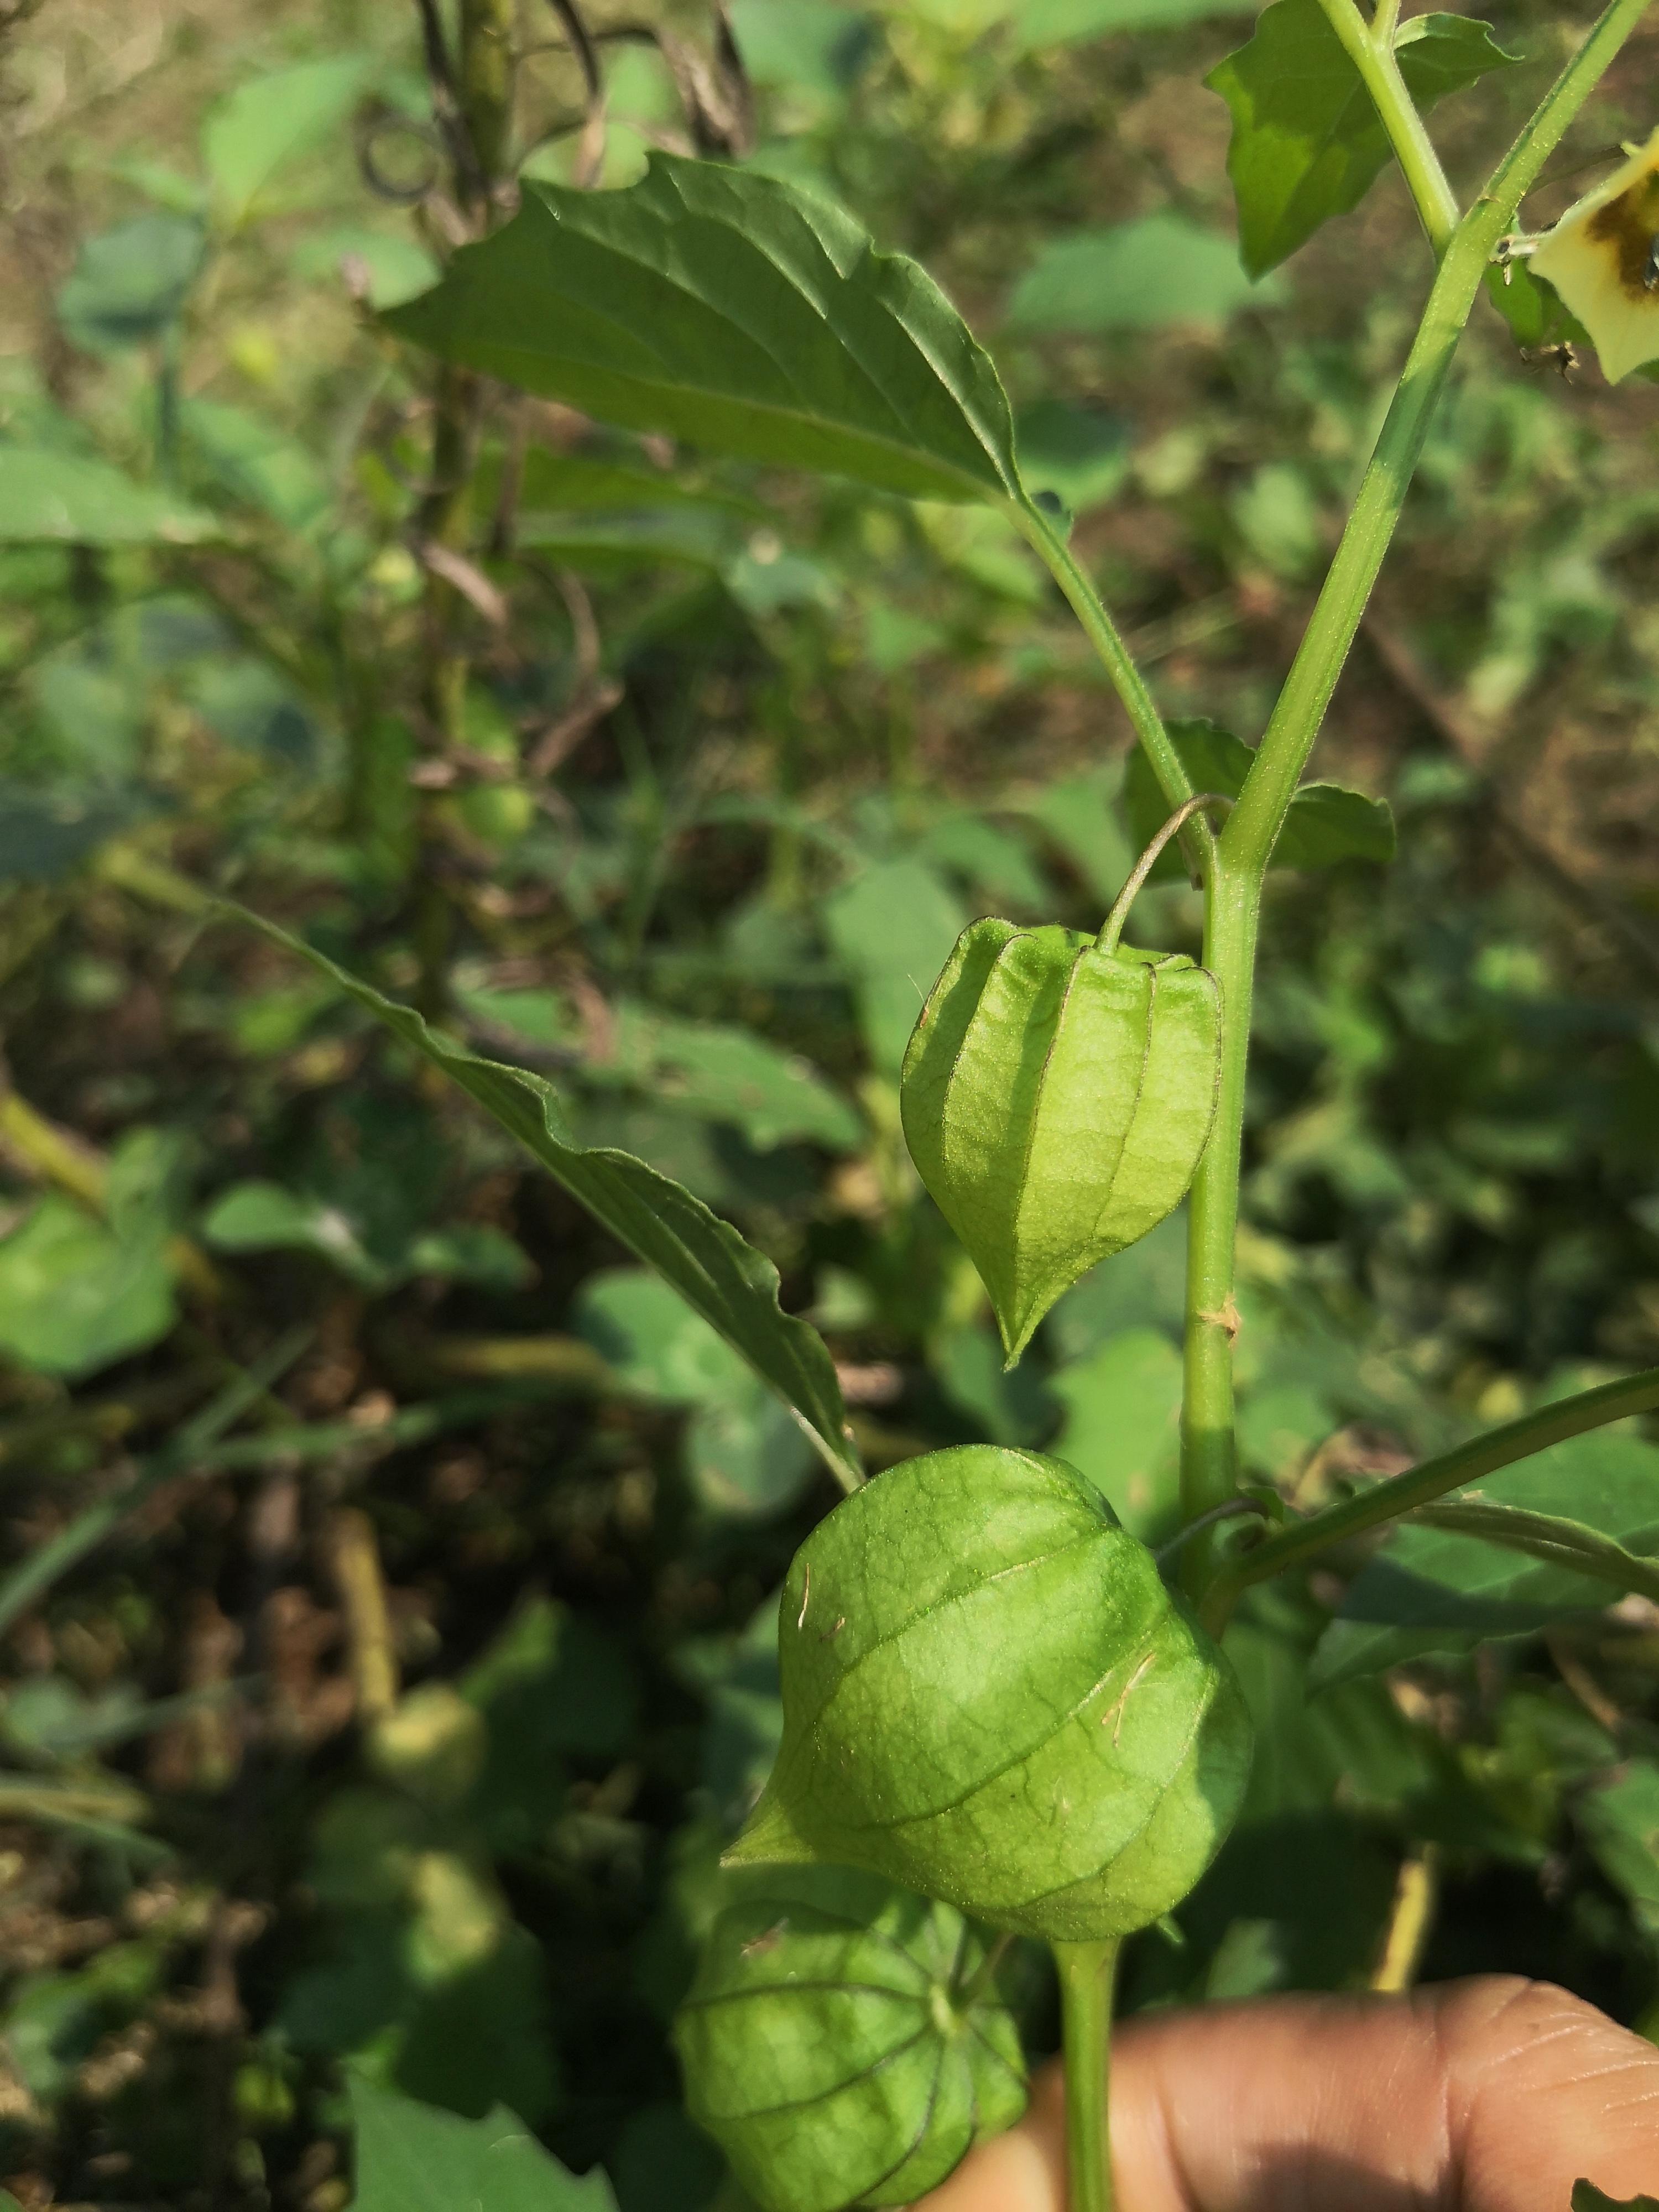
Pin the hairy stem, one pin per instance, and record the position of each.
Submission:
(1087, 1972)
(1370, 49)
(1374, 1508)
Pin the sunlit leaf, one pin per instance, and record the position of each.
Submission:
(730, 309)
(51, 497)
(414, 2158)
(1035, 24)
(730, 1284)
(75, 1295)
(1307, 143)
(270, 121)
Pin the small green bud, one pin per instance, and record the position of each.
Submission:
(1057, 1097)
(990, 1697)
(833, 2046)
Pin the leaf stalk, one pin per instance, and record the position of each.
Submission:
(1421, 1486)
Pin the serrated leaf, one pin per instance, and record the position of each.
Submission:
(1057, 1097)
(990, 1697)
(728, 309)
(416, 2158)
(1141, 276)
(1326, 822)
(1307, 143)
(730, 1284)
(48, 497)
(1441, 1589)
(830, 2046)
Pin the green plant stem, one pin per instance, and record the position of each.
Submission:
(1127, 679)
(1209, 1465)
(1383, 1502)
(1242, 850)
(1255, 822)
(1087, 1972)
(1370, 48)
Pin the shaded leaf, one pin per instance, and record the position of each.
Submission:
(728, 309)
(893, 926)
(44, 834)
(58, 498)
(1074, 1789)
(809, 45)
(1141, 276)
(1619, 1819)
(1326, 822)
(1586, 2197)
(830, 2046)
(726, 1280)
(128, 284)
(414, 2158)
(1307, 143)
(1123, 1427)
(1434, 1589)
(1039, 23)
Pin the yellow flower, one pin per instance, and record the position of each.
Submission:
(1603, 259)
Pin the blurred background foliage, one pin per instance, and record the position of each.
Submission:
(391, 1562)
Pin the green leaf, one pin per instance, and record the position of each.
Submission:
(1123, 1427)
(731, 1285)
(1040, 23)
(1326, 822)
(75, 1295)
(1440, 1589)
(806, 45)
(270, 121)
(744, 1456)
(1139, 275)
(730, 309)
(990, 1697)
(44, 834)
(892, 927)
(1307, 143)
(1057, 1098)
(1078, 453)
(831, 2046)
(130, 283)
(48, 497)
(1619, 1819)
(1586, 2197)
(414, 2158)
(250, 460)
